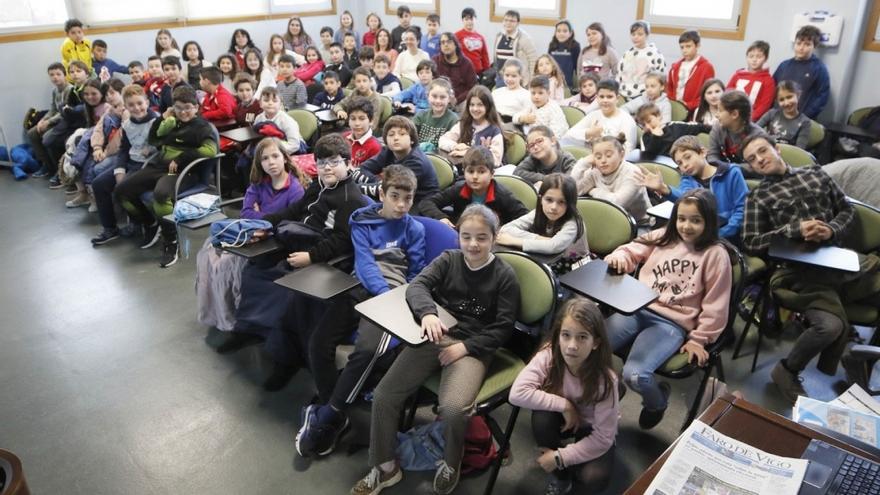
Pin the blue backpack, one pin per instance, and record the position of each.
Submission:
(236, 232)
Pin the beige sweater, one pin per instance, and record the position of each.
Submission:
(619, 187)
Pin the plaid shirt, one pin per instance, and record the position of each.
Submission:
(779, 204)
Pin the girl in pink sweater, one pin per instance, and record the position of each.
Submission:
(690, 269)
(572, 391)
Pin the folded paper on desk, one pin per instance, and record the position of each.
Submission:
(862, 427)
(706, 461)
(858, 400)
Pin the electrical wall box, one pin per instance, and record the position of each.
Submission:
(831, 25)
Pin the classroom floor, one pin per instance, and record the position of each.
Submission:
(108, 384)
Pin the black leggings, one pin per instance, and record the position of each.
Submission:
(546, 426)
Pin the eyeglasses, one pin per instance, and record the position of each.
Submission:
(534, 144)
(329, 162)
(185, 109)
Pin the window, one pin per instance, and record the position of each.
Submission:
(872, 33)
(716, 19)
(546, 13)
(26, 14)
(302, 7)
(419, 8)
(106, 12)
(210, 9)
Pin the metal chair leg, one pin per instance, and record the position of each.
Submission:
(502, 448)
(750, 320)
(692, 412)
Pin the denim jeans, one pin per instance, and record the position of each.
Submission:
(653, 340)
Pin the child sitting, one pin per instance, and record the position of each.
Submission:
(218, 104)
(655, 92)
(477, 186)
(408, 60)
(690, 268)
(608, 176)
(97, 148)
(658, 137)
(195, 62)
(786, 123)
(710, 102)
(586, 99)
(350, 51)
(438, 118)
(571, 388)
(389, 250)
(554, 226)
(543, 110)
(755, 80)
(387, 84)
(275, 185)
(415, 98)
(638, 61)
(154, 81)
(608, 120)
(332, 93)
(181, 136)
(363, 144)
(363, 86)
(725, 181)
(545, 157)
(401, 147)
(547, 66)
(511, 98)
(686, 77)
(733, 127)
(44, 131)
(338, 65)
(479, 126)
(270, 103)
(133, 153)
(104, 67)
(308, 71)
(366, 56)
(136, 72)
(229, 68)
(247, 106)
(291, 90)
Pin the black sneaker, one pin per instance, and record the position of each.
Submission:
(105, 236)
(236, 341)
(558, 485)
(169, 254)
(55, 182)
(280, 377)
(322, 427)
(71, 189)
(650, 418)
(151, 235)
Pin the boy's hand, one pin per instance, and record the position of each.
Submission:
(98, 154)
(342, 115)
(448, 222)
(259, 235)
(815, 231)
(299, 259)
(42, 125)
(168, 113)
(651, 180)
(172, 168)
(256, 206)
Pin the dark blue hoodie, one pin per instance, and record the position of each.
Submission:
(387, 253)
(812, 76)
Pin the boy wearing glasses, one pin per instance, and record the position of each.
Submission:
(181, 136)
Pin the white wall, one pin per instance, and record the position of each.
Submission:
(769, 20)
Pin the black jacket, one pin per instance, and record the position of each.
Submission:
(458, 196)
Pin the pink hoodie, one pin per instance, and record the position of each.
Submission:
(694, 286)
(527, 392)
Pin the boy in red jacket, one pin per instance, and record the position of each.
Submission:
(363, 144)
(686, 77)
(755, 80)
(473, 44)
(219, 104)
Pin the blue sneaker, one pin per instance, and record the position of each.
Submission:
(40, 173)
(321, 429)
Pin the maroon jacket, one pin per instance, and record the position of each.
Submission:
(461, 74)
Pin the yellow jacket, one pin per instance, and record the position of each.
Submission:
(71, 51)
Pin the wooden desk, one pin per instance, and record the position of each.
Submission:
(835, 258)
(623, 293)
(242, 134)
(755, 426)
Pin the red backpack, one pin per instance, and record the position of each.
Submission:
(479, 446)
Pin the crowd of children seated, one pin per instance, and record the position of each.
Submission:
(371, 176)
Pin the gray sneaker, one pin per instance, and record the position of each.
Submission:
(446, 479)
(789, 384)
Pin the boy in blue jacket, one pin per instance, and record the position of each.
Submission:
(415, 98)
(724, 180)
(100, 61)
(389, 251)
(808, 71)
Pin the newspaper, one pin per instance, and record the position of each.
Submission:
(706, 461)
(858, 400)
(863, 427)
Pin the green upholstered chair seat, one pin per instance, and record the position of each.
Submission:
(817, 134)
(671, 176)
(608, 226)
(795, 156)
(573, 115)
(521, 190)
(755, 267)
(307, 122)
(676, 363)
(514, 147)
(679, 111)
(577, 152)
(503, 370)
(443, 169)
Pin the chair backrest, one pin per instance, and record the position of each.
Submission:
(520, 188)
(817, 134)
(438, 237)
(671, 176)
(856, 117)
(864, 233)
(444, 170)
(573, 115)
(387, 109)
(577, 152)
(737, 285)
(566, 91)
(347, 91)
(621, 100)
(307, 122)
(607, 225)
(795, 156)
(679, 111)
(752, 184)
(537, 287)
(405, 82)
(514, 147)
(703, 137)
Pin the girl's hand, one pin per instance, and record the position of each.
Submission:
(448, 222)
(460, 147)
(452, 354)
(486, 142)
(433, 328)
(571, 417)
(341, 115)
(99, 155)
(693, 349)
(619, 263)
(505, 239)
(172, 168)
(256, 206)
(547, 459)
(538, 185)
(651, 180)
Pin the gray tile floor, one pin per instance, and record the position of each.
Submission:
(109, 385)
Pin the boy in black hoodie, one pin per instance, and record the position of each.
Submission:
(181, 136)
(658, 137)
